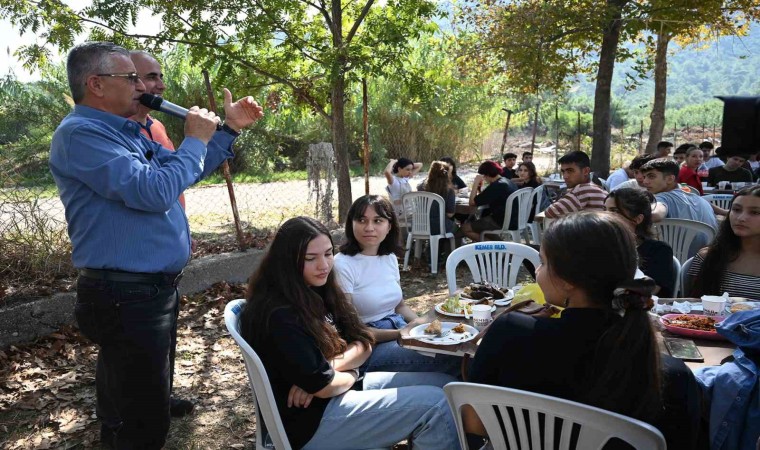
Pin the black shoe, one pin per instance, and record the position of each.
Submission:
(179, 407)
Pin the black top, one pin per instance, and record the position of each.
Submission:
(656, 261)
(291, 356)
(508, 173)
(458, 182)
(554, 357)
(495, 196)
(717, 174)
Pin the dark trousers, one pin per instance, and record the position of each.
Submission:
(135, 326)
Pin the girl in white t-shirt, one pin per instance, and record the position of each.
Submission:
(397, 173)
(368, 273)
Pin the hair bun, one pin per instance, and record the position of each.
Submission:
(634, 294)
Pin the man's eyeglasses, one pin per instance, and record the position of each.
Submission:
(132, 76)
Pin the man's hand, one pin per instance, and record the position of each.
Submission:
(299, 398)
(242, 113)
(201, 124)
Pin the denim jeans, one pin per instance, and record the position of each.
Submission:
(391, 408)
(135, 326)
(390, 357)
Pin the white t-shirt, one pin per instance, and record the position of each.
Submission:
(373, 282)
(617, 177)
(632, 183)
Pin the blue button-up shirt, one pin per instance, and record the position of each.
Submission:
(120, 191)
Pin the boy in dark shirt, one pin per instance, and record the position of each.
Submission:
(494, 196)
(732, 171)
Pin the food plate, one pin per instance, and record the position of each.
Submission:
(508, 296)
(440, 310)
(452, 338)
(698, 334)
(742, 306)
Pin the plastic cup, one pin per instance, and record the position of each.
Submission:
(481, 315)
(713, 305)
(722, 185)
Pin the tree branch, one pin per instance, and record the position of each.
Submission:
(359, 20)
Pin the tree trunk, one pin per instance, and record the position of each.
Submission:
(602, 134)
(337, 91)
(660, 91)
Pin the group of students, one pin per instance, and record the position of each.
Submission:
(326, 328)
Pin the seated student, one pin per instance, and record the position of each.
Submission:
(581, 194)
(711, 159)
(638, 178)
(527, 176)
(494, 196)
(311, 343)
(688, 171)
(732, 262)
(620, 176)
(754, 163)
(527, 157)
(663, 149)
(509, 162)
(602, 350)
(367, 272)
(455, 179)
(655, 257)
(438, 182)
(732, 171)
(397, 174)
(679, 155)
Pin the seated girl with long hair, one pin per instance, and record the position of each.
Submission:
(438, 182)
(602, 350)
(311, 343)
(527, 175)
(655, 257)
(732, 262)
(397, 174)
(368, 274)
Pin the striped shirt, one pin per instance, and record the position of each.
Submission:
(585, 196)
(736, 284)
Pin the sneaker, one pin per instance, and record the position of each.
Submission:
(180, 407)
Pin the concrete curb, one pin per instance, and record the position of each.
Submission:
(31, 320)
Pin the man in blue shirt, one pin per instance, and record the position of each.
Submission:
(129, 234)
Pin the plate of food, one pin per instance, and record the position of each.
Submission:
(455, 306)
(693, 325)
(488, 291)
(743, 306)
(443, 333)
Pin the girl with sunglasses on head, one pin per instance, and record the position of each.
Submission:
(311, 343)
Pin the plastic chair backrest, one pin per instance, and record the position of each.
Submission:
(493, 261)
(677, 275)
(267, 417)
(419, 203)
(685, 278)
(521, 196)
(680, 233)
(521, 419)
(535, 199)
(719, 200)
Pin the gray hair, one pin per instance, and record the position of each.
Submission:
(88, 59)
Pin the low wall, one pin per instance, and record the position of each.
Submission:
(24, 322)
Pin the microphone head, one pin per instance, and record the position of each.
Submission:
(151, 101)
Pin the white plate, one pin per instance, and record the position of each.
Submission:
(751, 305)
(508, 296)
(452, 338)
(440, 310)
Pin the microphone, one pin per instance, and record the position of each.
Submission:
(160, 104)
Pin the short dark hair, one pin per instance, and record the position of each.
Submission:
(526, 154)
(663, 165)
(383, 208)
(684, 148)
(640, 160)
(681, 149)
(508, 156)
(664, 144)
(89, 59)
(576, 157)
(706, 145)
(489, 168)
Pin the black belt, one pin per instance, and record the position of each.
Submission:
(161, 279)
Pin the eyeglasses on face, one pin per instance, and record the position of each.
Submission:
(132, 76)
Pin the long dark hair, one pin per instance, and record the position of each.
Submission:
(596, 252)
(532, 174)
(631, 202)
(279, 283)
(401, 163)
(720, 253)
(384, 209)
(452, 163)
(438, 180)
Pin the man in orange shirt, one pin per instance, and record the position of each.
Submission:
(150, 73)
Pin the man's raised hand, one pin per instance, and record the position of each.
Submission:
(242, 113)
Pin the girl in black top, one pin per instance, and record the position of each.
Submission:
(311, 342)
(602, 350)
(655, 257)
(456, 181)
(527, 175)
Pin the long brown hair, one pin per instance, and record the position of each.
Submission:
(720, 253)
(596, 252)
(438, 180)
(279, 283)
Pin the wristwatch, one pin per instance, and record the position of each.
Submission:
(356, 374)
(229, 130)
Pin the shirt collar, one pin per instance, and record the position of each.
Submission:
(119, 123)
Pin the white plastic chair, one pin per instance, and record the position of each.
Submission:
(420, 203)
(536, 196)
(493, 261)
(521, 196)
(720, 200)
(604, 183)
(493, 405)
(270, 433)
(685, 278)
(677, 275)
(680, 233)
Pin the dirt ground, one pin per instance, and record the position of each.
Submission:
(47, 395)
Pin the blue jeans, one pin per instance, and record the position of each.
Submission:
(391, 357)
(135, 326)
(392, 407)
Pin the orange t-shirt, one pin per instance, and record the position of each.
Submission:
(158, 134)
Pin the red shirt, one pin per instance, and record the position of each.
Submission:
(690, 177)
(156, 132)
